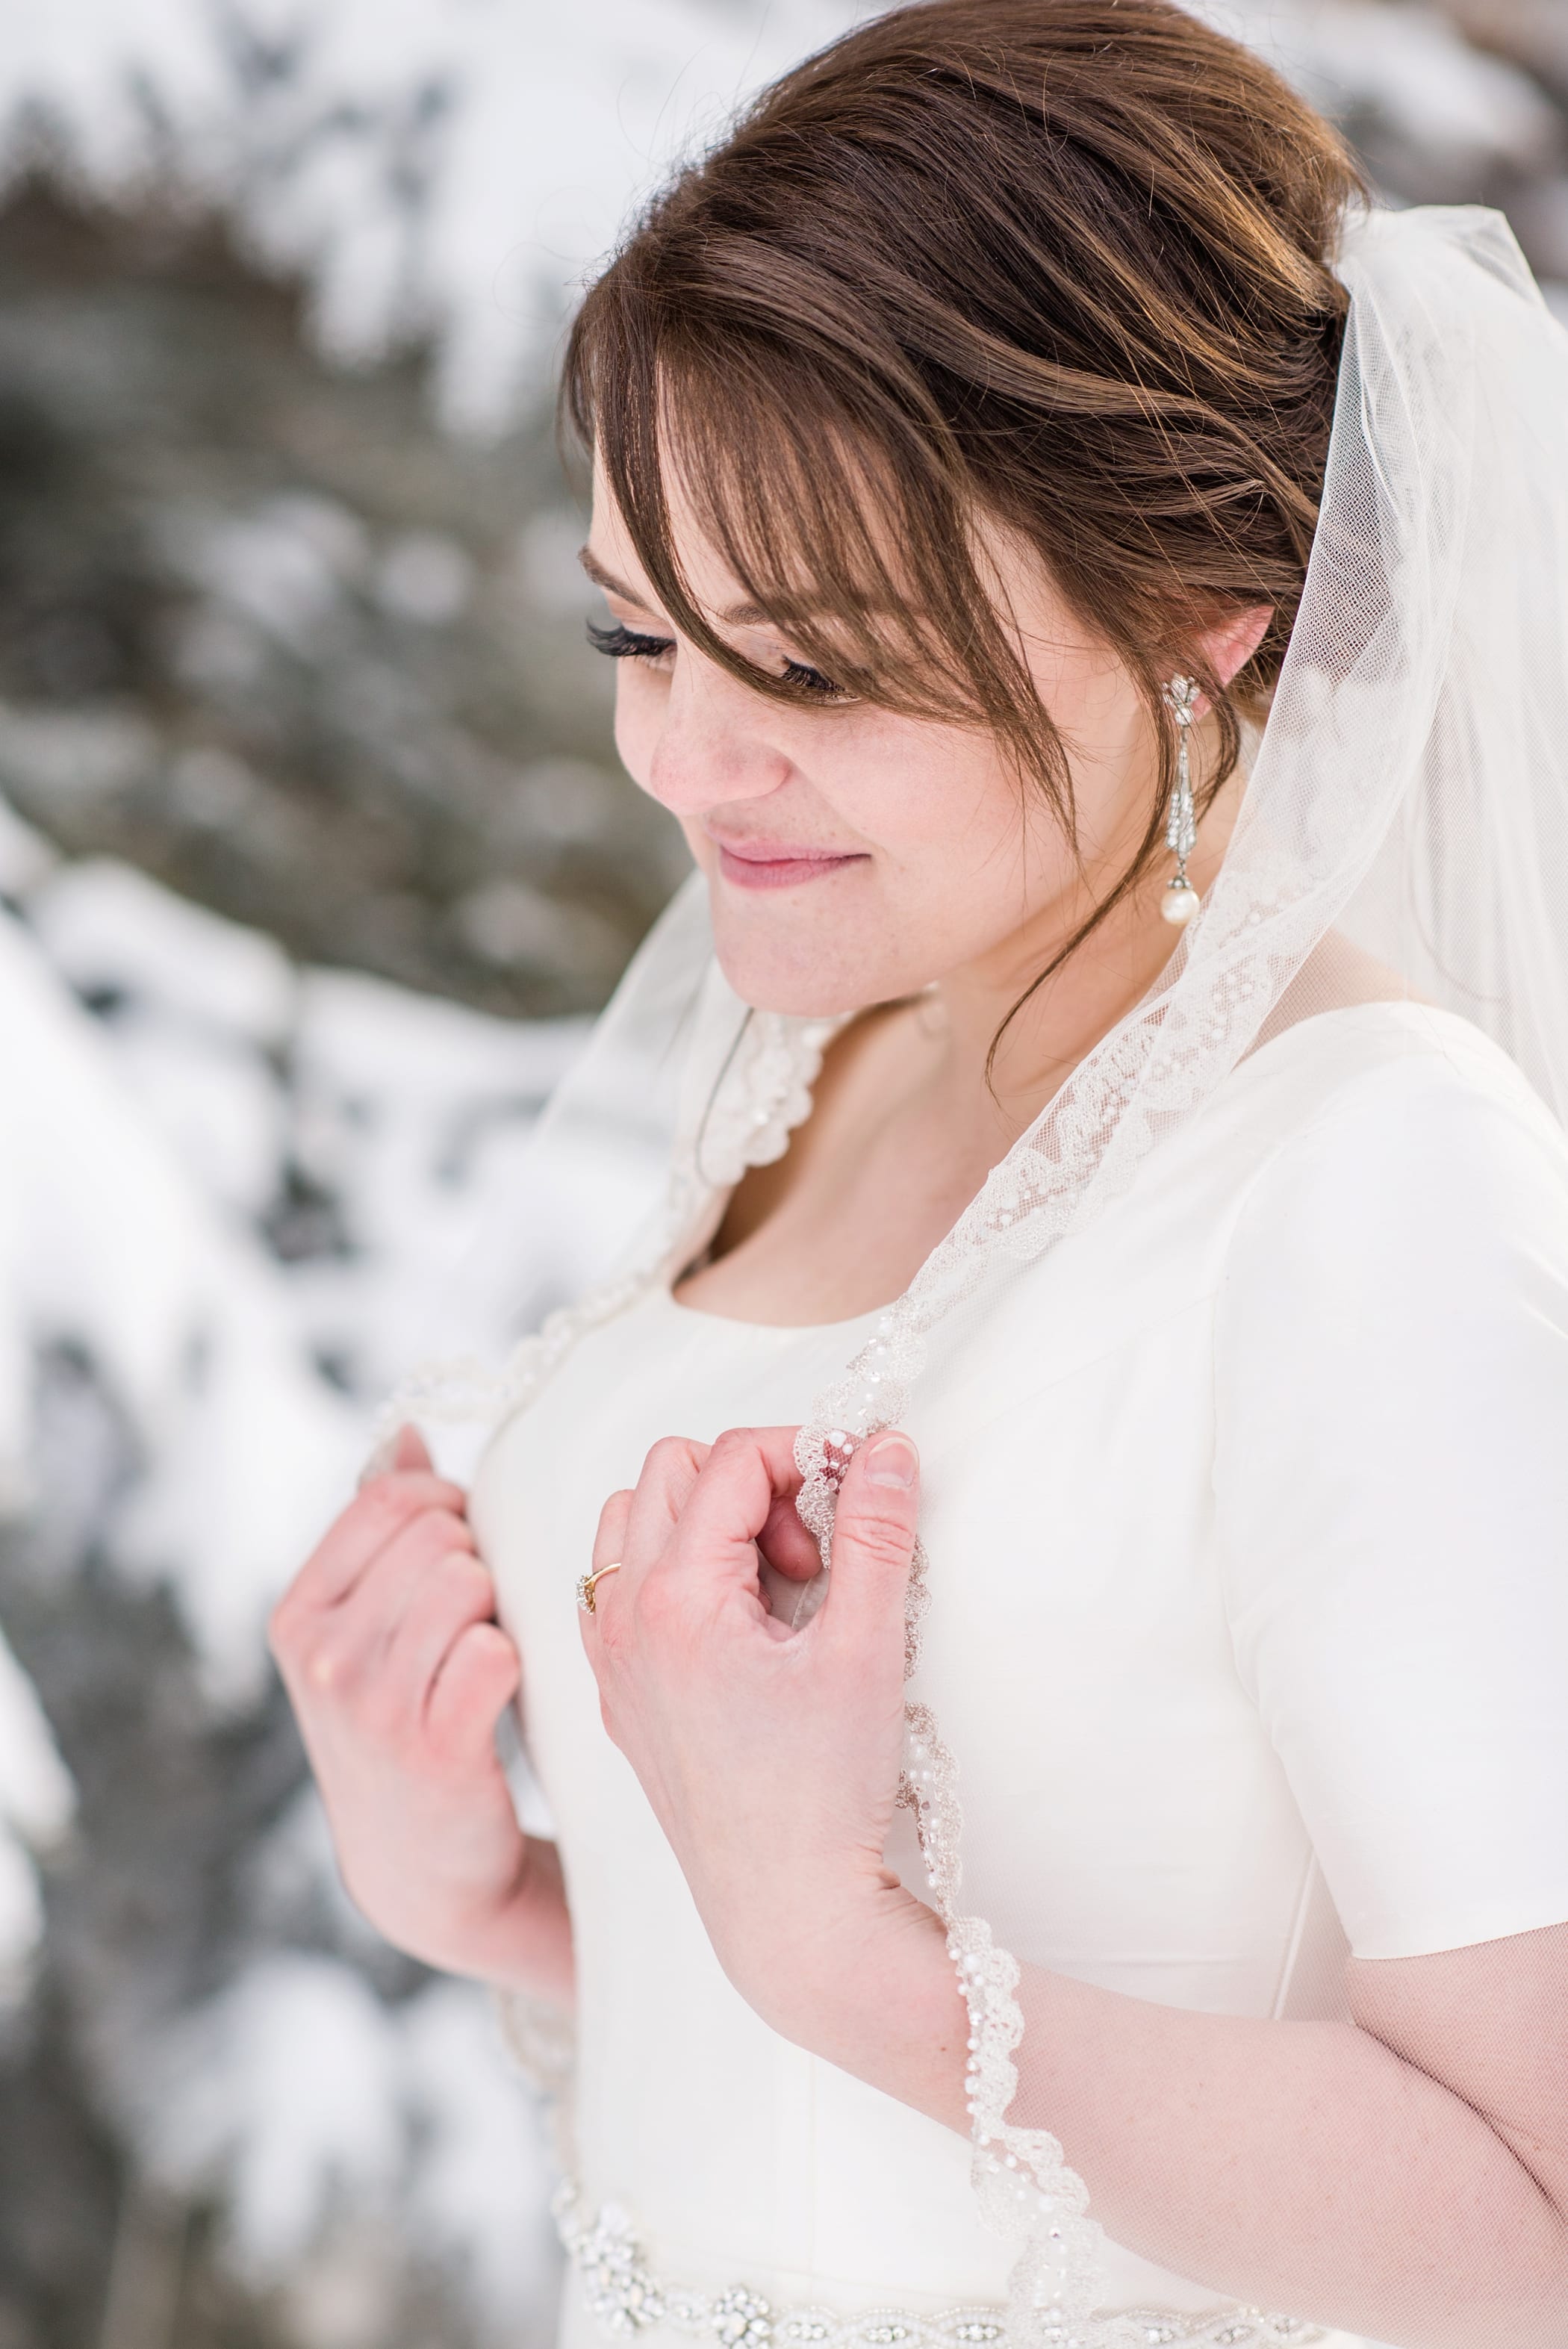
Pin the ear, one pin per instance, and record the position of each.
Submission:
(1231, 644)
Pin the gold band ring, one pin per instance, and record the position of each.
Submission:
(585, 1585)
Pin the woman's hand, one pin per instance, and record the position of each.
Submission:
(388, 1643)
(770, 1756)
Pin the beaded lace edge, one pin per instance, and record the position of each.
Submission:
(1020, 2177)
(626, 2298)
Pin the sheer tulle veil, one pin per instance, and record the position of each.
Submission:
(1403, 830)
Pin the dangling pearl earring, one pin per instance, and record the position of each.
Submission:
(1181, 900)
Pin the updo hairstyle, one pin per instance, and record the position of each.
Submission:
(1062, 267)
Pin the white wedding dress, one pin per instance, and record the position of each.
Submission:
(1247, 1513)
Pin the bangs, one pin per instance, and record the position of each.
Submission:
(845, 522)
(976, 279)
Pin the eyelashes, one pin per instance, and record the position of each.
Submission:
(625, 643)
(620, 642)
(811, 680)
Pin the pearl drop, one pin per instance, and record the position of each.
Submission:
(1180, 902)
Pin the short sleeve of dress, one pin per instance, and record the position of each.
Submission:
(1391, 1486)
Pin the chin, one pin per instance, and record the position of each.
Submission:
(791, 975)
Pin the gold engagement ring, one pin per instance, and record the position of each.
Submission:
(585, 1585)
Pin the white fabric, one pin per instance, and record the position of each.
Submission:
(1245, 1508)
(1410, 794)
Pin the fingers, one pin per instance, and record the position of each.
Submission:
(668, 1479)
(478, 1680)
(748, 1479)
(320, 1648)
(636, 1526)
(610, 1542)
(785, 1543)
(453, 1594)
(397, 1576)
(747, 1474)
(782, 1538)
(382, 1510)
(410, 1450)
(406, 1448)
(375, 1666)
(873, 1539)
(736, 1497)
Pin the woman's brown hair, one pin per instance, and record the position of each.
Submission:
(1059, 267)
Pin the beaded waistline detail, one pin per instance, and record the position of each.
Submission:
(626, 2298)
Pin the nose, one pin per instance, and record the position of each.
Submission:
(712, 746)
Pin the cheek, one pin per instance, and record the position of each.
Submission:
(640, 697)
(949, 876)
(934, 800)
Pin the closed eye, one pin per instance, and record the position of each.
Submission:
(810, 680)
(620, 642)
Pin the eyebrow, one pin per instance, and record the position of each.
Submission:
(607, 579)
(738, 616)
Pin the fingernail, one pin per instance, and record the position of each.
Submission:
(379, 1462)
(893, 1460)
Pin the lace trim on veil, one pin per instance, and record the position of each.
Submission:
(1149, 1074)
(1020, 2178)
(626, 2298)
(1411, 777)
(763, 1094)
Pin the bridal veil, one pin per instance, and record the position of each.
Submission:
(1403, 830)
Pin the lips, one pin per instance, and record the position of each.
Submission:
(766, 865)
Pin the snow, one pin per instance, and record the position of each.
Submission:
(284, 566)
(483, 2175)
(1407, 66)
(26, 856)
(164, 1135)
(37, 1803)
(248, 1193)
(460, 168)
(145, 1222)
(335, 2126)
(139, 1197)
(297, 2088)
(105, 927)
(68, 755)
(287, 2084)
(427, 165)
(36, 1796)
(123, 1250)
(424, 576)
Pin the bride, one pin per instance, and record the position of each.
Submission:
(1036, 1587)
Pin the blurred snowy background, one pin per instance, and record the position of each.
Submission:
(312, 856)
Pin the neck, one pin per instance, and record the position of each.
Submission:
(1040, 1036)
(1009, 1048)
